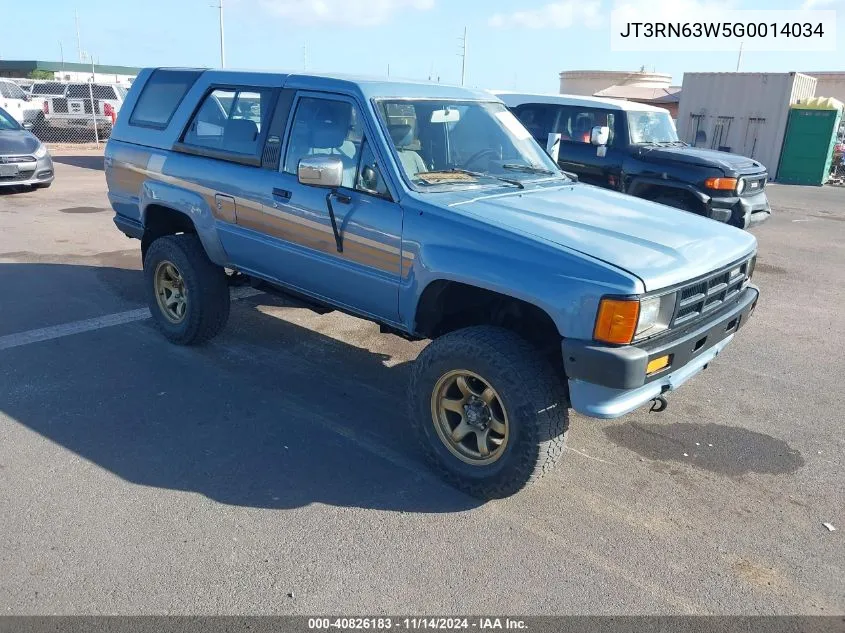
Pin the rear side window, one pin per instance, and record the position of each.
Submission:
(160, 97)
(538, 118)
(230, 120)
(50, 88)
(11, 91)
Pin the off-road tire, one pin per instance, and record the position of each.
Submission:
(530, 391)
(206, 289)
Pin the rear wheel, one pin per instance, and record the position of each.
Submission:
(489, 411)
(187, 293)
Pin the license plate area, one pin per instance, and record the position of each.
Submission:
(9, 170)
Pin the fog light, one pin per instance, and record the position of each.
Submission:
(661, 362)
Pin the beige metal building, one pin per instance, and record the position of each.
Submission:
(744, 113)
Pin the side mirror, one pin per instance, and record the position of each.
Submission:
(320, 171)
(600, 135)
(369, 179)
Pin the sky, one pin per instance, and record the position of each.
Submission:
(512, 45)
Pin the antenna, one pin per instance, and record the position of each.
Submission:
(739, 57)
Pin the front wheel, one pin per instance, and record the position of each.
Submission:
(187, 293)
(490, 413)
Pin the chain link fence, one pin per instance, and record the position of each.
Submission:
(71, 113)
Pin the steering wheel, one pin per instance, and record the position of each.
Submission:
(480, 154)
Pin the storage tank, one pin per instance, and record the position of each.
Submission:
(743, 113)
(589, 82)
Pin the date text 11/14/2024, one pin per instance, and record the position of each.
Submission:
(481, 624)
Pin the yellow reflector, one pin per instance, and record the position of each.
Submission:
(657, 364)
(617, 320)
(722, 184)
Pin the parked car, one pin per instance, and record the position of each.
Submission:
(74, 108)
(431, 211)
(18, 103)
(639, 153)
(24, 160)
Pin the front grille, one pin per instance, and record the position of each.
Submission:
(707, 294)
(754, 184)
(17, 159)
(19, 177)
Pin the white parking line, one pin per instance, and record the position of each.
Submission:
(97, 323)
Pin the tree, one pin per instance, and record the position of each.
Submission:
(41, 74)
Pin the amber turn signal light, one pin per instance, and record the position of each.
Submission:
(722, 184)
(617, 320)
(655, 365)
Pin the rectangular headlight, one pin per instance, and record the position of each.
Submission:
(655, 315)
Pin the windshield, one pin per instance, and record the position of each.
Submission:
(651, 127)
(7, 122)
(462, 143)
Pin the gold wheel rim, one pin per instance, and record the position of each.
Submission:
(170, 292)
(469, 417)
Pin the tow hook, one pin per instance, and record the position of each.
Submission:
(659, 404)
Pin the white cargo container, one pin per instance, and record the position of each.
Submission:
(743, 113)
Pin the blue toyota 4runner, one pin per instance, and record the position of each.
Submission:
(432, 211)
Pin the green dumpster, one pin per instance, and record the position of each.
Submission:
(808, 145)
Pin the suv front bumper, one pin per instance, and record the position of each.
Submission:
(741, 211)
(608, 382)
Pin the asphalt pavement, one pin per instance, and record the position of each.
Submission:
(272, 470)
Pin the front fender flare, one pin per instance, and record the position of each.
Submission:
(638, 183)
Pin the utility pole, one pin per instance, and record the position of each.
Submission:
(62, 57)
(464, 58)
(222, 38)
(78, 39)
(739, 58)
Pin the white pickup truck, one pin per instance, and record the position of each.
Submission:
(17, 102)
(81, 106)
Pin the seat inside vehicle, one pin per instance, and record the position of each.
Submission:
(403, 137)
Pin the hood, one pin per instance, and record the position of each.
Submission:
(661, 245)
(14, 142)
(702, 157)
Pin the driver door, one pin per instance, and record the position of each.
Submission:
(301, 250)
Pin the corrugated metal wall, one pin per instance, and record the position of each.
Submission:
(744, 113)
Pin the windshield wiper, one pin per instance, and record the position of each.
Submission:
(529, 169)
(476, 174)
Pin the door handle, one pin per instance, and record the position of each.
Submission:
(281, 193)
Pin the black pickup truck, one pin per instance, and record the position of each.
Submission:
(635, 149)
